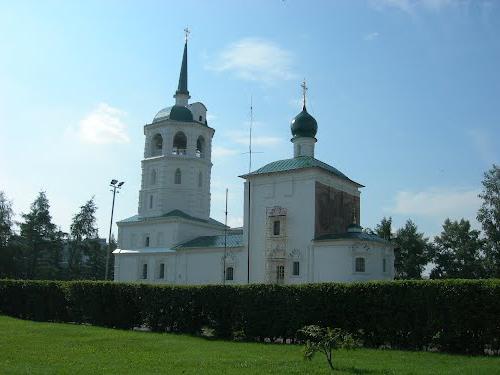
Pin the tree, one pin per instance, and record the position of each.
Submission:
(7, 254)
(42, 241)
(384, 229)
(411, 253)
(325, 340)
(457, 252)
(6, 223)
(86, 257)
(489, 216)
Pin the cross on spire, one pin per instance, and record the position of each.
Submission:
(186, 34)
(304, 90)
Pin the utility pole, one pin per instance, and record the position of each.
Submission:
(115, 185)
(225, 241)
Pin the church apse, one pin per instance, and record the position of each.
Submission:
(333, 210)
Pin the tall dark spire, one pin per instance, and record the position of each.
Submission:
(182, 88)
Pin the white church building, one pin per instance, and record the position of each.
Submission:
(300, 214)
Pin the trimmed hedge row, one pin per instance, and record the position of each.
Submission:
(452, 315)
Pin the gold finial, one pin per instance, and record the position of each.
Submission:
(186, 34)
(304, 89)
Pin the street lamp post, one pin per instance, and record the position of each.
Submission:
(115, 185)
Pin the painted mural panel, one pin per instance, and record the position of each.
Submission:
(334, 210)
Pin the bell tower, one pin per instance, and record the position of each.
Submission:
(176, 169)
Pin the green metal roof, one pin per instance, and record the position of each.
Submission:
(174, 213)
(233, 240)
(299, 162)
(353, 235)
(182, 88)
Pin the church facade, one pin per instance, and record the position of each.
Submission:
(301, 215)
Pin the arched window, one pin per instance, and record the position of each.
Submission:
(153, 177)
(229, 273)
(280, 273)
(200, 179)
(180, 144)
(200, 147)
(178, 177)
(360, 264)
(156, 145)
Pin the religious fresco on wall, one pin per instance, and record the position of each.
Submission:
(334, 210)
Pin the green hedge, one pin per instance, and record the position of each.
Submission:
(453, 315)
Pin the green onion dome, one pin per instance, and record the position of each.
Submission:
(176, 113)
(304, 125)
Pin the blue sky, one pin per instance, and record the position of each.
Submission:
(406, 95)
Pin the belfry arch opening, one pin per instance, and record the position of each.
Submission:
(200, 147)
(156, 145)
(179, 144)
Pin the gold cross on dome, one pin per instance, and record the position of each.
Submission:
(304, 89)
(186, 34)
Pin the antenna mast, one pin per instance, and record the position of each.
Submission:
(250, 141)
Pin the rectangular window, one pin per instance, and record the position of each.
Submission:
(162, 271)
(145, 271)
(229, 273)
(150, 201)
(276, 228)
(384, 265)
(360, 264)
(280, 273)
(296, 269)
(147, 241)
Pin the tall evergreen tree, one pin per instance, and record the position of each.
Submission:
(43, 242)
(457, 252)
(411, 253)
(489, 216)
(86, 256)
(384, 229)
(7, 254)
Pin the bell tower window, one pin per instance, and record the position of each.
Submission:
(180, 144)
(156, 145)
(178, 177)
(153, 177)
(200, 147)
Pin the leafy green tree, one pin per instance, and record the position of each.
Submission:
(457, 252)
(325, 340)
(384, 229)
(489, 216)
(8, 267)
(86, 256)
(6, 223)
(411, 253)
(42, 241)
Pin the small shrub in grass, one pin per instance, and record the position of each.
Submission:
(326, 340)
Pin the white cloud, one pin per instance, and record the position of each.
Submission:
(438, 203)
(103, 125)
(371, 36)
(255, 59)
(242, 138)
(221, 152)
(235, 222)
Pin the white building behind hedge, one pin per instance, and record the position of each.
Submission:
(300, 214)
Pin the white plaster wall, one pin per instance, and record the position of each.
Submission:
(336, 261)
(293, 191)
(186, 267)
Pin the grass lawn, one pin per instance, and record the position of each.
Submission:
(47, 348)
